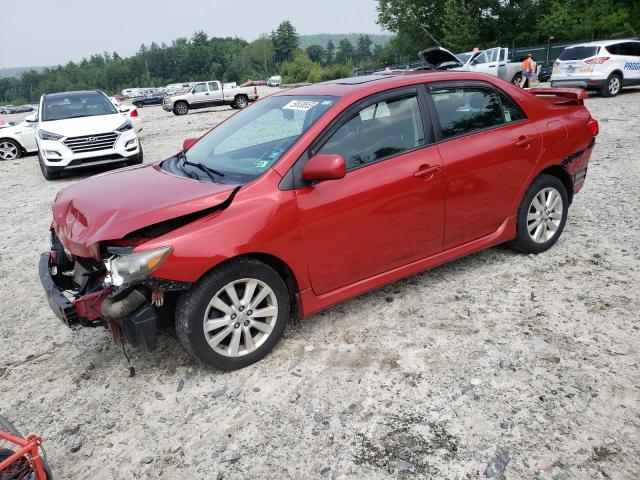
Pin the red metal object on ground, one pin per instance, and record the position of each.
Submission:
(25, 461)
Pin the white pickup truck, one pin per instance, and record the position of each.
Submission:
(494, 61)
(209, 94)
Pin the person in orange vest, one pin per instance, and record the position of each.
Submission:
(527, 70)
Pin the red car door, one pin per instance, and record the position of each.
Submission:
(489, 149)
(389, 208)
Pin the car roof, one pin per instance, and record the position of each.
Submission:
(77, 93)
(371, 84)
(604, 43)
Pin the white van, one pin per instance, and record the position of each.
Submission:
(605, 66)
(274, 81)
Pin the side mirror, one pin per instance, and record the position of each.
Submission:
(324, 167)
(188, 143)
(31, 118)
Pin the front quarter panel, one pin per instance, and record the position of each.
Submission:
(261, 219)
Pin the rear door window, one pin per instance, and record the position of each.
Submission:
(510, 109)
(463, 110)
(383, 129)
(213, 86)
(578, 53)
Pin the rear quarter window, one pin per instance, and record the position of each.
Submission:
(578, 53)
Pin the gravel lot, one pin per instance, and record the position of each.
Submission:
(496, 358)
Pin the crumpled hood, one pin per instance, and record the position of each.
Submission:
(76, 127)
(114, 204)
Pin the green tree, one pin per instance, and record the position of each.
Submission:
(315, 53)
(459, 32)
(330, 52)
(363, 48)
(345, 51)
(285, 41)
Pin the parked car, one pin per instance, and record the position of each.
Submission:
(494, 61)
(310, 197)
(274, 81)
(19, 139)
(83, 129)
(604, 66)
(544, 74)
(209, 94)
(155, 98)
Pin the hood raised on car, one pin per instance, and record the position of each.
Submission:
(112, 205)
(438, 57)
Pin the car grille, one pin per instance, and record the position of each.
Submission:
(91, 143)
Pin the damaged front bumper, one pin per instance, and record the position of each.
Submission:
(127, 313)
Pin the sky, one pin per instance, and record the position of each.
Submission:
(51, 32)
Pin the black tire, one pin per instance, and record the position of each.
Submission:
(139, 105)
(517, 78)
(524, 242)
(240, 102)
(47, 173)
(192, 306)
(612, 86)
(15, 144)
(138, 159)
(181, 108)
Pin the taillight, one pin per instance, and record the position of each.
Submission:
(597, 60)
(255, 90)
(594, 127)
(133, 113)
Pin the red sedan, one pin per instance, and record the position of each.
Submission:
(309, 197)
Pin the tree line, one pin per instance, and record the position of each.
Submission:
(196, 58)
(458, 25)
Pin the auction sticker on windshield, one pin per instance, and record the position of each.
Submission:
(302, 105)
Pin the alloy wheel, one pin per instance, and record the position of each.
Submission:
(240, 317)
(8, 151)
(544, 215)
(614, 85)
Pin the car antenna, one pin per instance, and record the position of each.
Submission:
(132, 371)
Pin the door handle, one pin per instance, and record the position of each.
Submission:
(524, 142)
(427, 172)
(492, 66)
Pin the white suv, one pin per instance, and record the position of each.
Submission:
(83, 129)
(604, 66)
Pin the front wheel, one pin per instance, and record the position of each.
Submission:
(46, 172)
(541, 216)
(9, 149)
(235, 315)
(612, 86)
(181, 108)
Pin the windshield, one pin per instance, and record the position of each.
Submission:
(463, 57)
(578, 53)
(75, 104)
(251, 141)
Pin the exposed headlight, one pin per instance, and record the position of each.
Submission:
(132, 267)
(44, 135)
(125, 126)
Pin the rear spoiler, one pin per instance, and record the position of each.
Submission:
(561, 96)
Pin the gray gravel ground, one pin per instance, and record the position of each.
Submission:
(496, 364)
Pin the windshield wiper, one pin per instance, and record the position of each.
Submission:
(209, 171)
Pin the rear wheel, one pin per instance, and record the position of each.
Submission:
(181, 108)
(46, 172)
(541, 216)
(517, 78)
(613, 86)
(240, 102)
(9, 149)
(235, 315)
